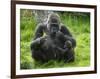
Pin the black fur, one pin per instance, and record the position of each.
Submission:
(58, 44)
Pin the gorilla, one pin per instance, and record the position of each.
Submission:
(58, 44)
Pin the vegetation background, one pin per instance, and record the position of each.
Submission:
(79, 25)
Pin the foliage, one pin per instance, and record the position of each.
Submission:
(79, 25)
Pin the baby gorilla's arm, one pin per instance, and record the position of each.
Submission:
(61, 49)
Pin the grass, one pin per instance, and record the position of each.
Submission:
(78, 24)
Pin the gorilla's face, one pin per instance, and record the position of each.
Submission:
(53, 26)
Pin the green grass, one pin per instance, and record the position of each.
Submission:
(79, 26)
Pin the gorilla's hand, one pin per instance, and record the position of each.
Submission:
(37, 43)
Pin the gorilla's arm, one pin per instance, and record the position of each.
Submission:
(39, 31)
(68, 35)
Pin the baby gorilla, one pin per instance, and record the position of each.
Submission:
(64, 51)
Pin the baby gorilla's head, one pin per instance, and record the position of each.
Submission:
(68, 44)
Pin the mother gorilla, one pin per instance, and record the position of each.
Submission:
(58, 44)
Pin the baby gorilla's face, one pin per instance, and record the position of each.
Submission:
(68, 44)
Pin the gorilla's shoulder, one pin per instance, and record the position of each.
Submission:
(62, 26)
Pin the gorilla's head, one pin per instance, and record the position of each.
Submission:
(53, 23)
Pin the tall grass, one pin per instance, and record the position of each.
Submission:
(77, 23)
